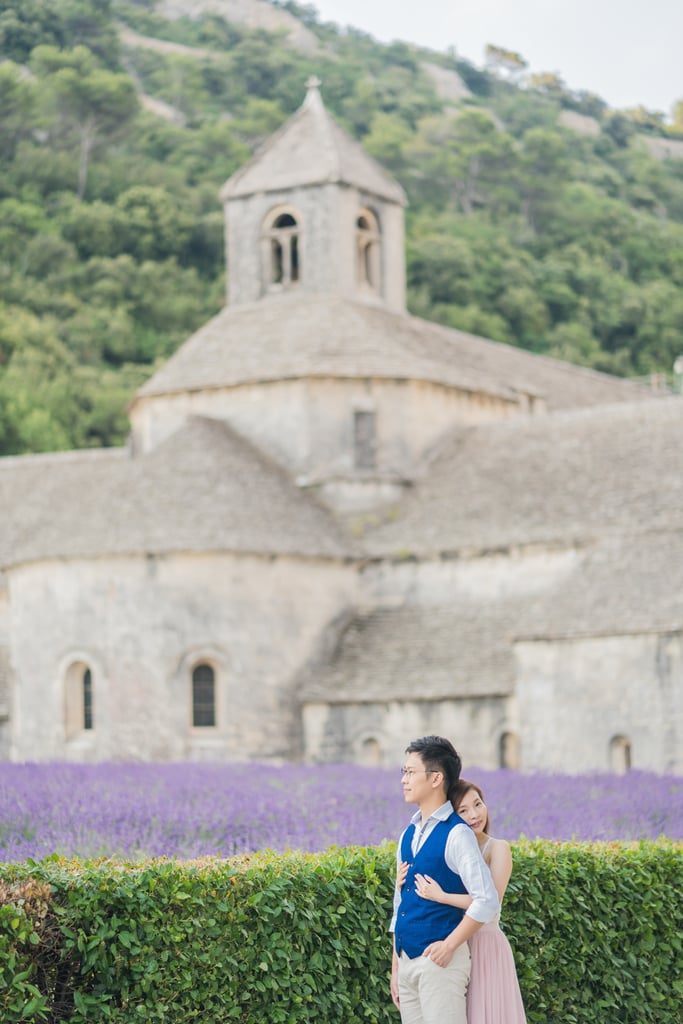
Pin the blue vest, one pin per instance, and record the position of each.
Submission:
(418, 921)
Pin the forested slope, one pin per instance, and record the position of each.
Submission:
(118, 127)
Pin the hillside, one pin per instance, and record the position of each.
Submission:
(538, 216)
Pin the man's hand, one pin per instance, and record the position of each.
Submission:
(440, 952)
(394, 984)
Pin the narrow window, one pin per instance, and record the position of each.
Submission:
(508, 751)
(367, 251)
(79, 700)
(88, 720)
(620, 754)
(364, 440)
(276, 267)
(371, 752)
(285, 251)
(203, 696)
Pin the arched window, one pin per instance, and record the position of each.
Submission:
(88, 716)
(203, 696)
(79, 700)
(508, 751)
(283, 250)
(367, 251)
(620, 754)
(371, 752)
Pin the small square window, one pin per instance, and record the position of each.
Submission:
(364, 440)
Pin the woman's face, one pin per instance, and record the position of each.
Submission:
(472, 809)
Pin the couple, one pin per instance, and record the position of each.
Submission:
(450, 881)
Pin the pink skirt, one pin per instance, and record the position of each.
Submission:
(493, 995)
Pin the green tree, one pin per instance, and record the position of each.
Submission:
(28, 24)
(152, 224)
(25, 24)
(647, 120)
(526, 314)
(387, 140)
(17, 103)
(360, 106)
(619, 127)
(659, 338)
(96, 103)
(574, 343)
(19, 221)
(462, 159)
(543, 168)
(504, 62)
(550, 84)
(35, 385)
(677, 116)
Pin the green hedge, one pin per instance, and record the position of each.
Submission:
(596, 931)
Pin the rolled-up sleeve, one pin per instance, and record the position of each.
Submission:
(464, 857)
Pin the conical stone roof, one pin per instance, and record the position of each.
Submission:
(311, 149)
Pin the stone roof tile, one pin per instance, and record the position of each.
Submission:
(205, 489)
(546, 479)
(311, 149)
(293, 336)
(465, 648)
(415, 653)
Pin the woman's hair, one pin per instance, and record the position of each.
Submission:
(460, 791)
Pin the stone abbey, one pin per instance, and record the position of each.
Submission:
(336, 525)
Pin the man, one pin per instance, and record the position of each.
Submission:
(431, 961)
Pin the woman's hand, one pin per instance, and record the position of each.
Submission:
(401, 873)
(428, 889)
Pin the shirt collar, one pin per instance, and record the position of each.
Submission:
(440, 814)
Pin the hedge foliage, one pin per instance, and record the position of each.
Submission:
(284, 939)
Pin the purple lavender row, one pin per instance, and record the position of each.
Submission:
(139, 811)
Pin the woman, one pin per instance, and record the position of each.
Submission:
(493, 995)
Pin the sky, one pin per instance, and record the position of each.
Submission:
(629, 52)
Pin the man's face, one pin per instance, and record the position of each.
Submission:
(418, 783)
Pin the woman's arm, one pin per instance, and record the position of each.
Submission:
(500, 865)
(431, 890)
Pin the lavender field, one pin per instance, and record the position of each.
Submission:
(138, 811)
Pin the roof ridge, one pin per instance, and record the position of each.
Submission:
(66, 455)
(313, 103)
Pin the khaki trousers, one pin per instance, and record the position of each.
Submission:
(429, 994)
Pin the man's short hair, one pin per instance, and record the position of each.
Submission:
(438, 755)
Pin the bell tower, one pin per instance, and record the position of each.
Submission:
(313, 213)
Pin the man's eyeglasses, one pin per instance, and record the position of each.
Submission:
(409, 772)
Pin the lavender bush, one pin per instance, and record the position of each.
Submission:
(137, 811)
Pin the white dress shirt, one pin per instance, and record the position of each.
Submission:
(463, 856)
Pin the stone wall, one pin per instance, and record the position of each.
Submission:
(327, 218)
(5, 668)
(576, 703)
(378, 733)
(141, 625)
(576, 696)
(307, 424)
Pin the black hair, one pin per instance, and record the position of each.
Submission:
(460, 791)
(438, 755)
